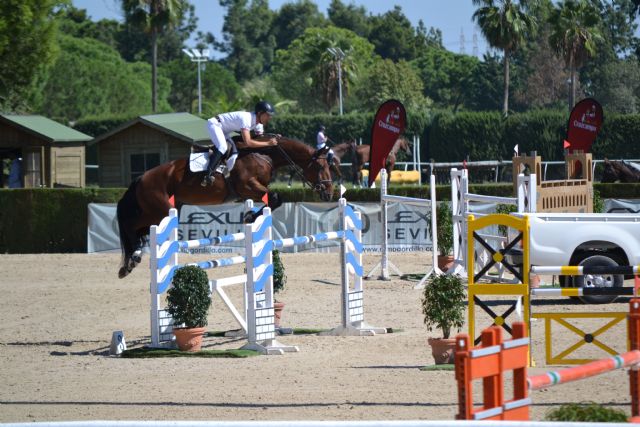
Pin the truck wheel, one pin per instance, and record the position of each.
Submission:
(598, 281)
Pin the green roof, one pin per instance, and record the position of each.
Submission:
(182, 125)
(46, 128)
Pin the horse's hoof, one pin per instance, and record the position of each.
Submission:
(249, 217)
(122, 273)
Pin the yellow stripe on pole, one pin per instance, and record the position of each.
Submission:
(570, 270)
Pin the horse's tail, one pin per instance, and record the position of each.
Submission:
(127, 211)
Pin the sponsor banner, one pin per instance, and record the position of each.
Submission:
(102, 229)
(584, 123)
(388, 125)
(407, 229)
(407, 225)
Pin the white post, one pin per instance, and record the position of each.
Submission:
(384, 262)
(156, 322)
(260, 316)
(153, 286)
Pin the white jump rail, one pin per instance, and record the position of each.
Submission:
(461, 199)
(385, 198)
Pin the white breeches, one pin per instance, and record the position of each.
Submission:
(220, 141)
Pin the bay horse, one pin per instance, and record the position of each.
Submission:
(363, 152)
(619, 171)
(340, 151)
(146, 201)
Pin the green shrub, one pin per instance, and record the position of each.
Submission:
(503, 208)
(444, 218)
(279, 278)
(598, 203)
(587, 412)
(188, 300)
(443, 303)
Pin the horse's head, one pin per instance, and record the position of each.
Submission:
(610, 173)
(309, 164)
(403, 144)
(318, 173)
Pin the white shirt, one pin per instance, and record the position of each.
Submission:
(238, 120)
(321, 140)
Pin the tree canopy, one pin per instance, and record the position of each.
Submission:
(55, 60)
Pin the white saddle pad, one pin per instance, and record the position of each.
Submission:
(198, 162)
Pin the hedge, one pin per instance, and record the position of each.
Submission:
(55, 220)
(449, 137)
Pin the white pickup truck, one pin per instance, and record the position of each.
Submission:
(558, 239)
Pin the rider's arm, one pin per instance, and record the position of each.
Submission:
(252, 143)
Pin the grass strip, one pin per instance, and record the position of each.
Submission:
(147, 352)
(443, 367)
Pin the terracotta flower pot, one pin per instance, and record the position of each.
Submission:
(189, 339)
(445, 262)
(534, 281)
(442, 349)
(277, 308)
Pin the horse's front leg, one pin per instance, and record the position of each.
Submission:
(336, 168)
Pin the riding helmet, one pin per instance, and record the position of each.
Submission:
(264, 107)
(321, 128)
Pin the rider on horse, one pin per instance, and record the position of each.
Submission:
(321, 144)
(220, 128)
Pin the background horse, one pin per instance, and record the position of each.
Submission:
(362, 154)
(619, 171)
(340, 151)
(146, 202)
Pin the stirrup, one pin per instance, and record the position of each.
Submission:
(208, 180)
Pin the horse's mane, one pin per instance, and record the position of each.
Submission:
(297, 150)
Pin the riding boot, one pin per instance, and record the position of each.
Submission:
(330, 158)
(214, 160)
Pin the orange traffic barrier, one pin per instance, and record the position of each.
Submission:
(493, 357)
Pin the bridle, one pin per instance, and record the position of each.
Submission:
(321, 184)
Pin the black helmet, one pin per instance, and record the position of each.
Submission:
(264, 107)
(321, 128)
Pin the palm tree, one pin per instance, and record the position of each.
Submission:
(505, 24)
(323, 66)
(575, 33)
(153, 16)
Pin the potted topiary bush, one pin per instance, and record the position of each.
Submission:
(279, 281)
(444, 219)
(188, 302)
(443, 306)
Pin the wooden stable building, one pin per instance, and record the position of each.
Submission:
(39, 152)
(147, 141)
(572, 194)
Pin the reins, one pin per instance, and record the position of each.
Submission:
(298, 170)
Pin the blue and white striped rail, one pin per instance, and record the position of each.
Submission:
(164, 247)
(257, 320)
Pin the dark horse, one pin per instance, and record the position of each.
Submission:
(146, 202)
(619, 171)
(360, 156)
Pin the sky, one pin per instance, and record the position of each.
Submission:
(452, 17)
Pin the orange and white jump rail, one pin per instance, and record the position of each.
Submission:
(493, 358)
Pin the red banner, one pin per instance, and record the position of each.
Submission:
(388, 125)
(585, 121)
